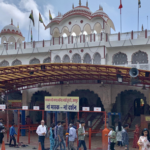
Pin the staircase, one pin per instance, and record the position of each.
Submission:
(137, 120)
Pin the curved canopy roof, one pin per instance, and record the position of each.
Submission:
(24, 76)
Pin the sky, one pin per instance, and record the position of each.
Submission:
(19, 11)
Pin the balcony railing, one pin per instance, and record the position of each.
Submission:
(104, 37)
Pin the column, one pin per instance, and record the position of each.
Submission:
(15, 118)
(23, 122)
(25, 100)
(103, 61)
(48, 118)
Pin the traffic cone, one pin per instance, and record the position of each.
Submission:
(39, 148)
(3, 146)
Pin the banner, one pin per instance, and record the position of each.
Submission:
(14, 103)
(68, 104)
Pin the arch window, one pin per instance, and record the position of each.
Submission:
(57, 59)
(34, 61)
(47, 60)
(4, 63)
(97, 59)
(66, 59)
(139, 57)
(76, 58)
(87, 59)
(120, 59)
(16, 62)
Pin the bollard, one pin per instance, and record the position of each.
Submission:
(90, 131)
(105, 139)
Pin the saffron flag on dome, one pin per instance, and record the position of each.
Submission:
(120, 6)
(139, 3)
(31, 17)
(40, 18)
(50, 16)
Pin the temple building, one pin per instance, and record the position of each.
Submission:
(83, 37)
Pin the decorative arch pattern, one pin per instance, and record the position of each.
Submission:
(97, 27)
(76, 58)
(139, 57)
(65, 30)
(34, 61)
(76, 29)
(11, 40)
(4, 63)
(56, 33)
(16, 62)
(66, 59)
(57, 59)
(3, 39)
(47, 60)
(87, 59)
(120, 59)
(87, 29)
(97, 59)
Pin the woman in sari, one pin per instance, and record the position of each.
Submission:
(51, 137)
(136, 136)
(144, 140)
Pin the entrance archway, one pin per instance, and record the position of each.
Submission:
(128, 103)
(37, 99)
(87, 98)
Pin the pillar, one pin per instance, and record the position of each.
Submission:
(15, 118)
(48, 118)
(23, 122)
(103, 61)
(25, 100)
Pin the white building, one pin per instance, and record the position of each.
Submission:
(81, 36)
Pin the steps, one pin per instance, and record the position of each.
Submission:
(137, 120)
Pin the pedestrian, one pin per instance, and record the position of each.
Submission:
(81, 136)
(52, 137)
(136, 136)
(12, 134)
(72, 137)
(55, 133)
(78, 124)
(125, 137)
(2, 131)
(119, 130)
(41, 131)
(60, 134)
(109, 134)
(112, 138)
(144, 140)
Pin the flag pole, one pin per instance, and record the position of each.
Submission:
(138, 18)
(147, 22)
(38, 30)
(29, 30)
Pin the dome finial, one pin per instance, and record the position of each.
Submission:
(79, 2)
(87, 3)
(72, 6)
(142, 27)
(11, 21)
(18, 25)
(100, 7)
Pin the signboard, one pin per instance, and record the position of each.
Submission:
(62, 103)
(147, 118)
(97, 108)
(36, 108)
(2, 107)
(25, 107)
(85, 108)
(15, 103)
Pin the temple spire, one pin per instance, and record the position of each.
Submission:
(87, 3)
(79, 2)
(72, 6)
(11, 21)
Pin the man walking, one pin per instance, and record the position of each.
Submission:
(72, 137)
(81, 136)
(125, 137)
(12, 135)
(2, 130)
(41, 131)
(55, 133)
(60, 134)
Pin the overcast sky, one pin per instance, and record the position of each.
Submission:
(19, 10)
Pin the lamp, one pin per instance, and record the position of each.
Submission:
(120, 78)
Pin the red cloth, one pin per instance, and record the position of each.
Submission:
(136, 137)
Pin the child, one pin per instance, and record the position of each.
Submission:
(12, 135)
(112, 138)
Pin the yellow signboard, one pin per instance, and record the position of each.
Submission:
(68, 104)
(147, 118)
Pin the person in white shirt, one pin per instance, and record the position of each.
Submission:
(41, 131)
(72, 137)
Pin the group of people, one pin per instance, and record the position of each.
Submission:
(56, 135)
(119, 136)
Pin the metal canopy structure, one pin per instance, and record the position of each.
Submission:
(29, 76)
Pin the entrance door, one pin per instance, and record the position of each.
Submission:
(137, 109)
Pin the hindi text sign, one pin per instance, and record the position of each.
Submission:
(97, 108)
(85, 108)
(62, 103)
(36, 108)
(2, 107)
(25, 107)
